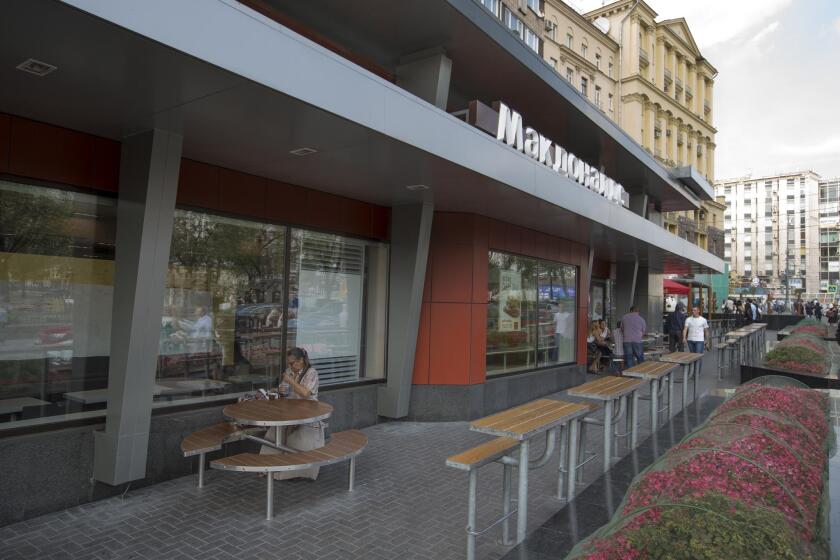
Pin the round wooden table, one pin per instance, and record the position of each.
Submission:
(278, 412)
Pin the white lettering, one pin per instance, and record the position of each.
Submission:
(512, 132)
(510, 127)
(532, 143)
(545, 151)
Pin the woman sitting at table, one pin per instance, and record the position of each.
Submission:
(301, 381)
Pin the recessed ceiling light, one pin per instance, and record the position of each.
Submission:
(300, 152)
(36, 67)
(417, 187)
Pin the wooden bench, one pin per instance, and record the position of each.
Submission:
(473, 459)
(210, 439)
(611, 390)
(342, 446)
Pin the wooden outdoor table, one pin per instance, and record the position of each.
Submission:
(610, 390)
(655, 373)
(277, 413)
(527, 421)
(691, 368)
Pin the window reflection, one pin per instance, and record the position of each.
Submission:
(531, 313)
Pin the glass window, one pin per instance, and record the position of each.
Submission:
(56, 289)
(610, 68)
(241, 292)
(513, 23)
(598, 97)
(534, 5)
(532, 40)
(610, 100)
(531, 313)
(598, 61)
(570, 41)
(492, 5)
(570, 74)
(584, 49)
(584, 86)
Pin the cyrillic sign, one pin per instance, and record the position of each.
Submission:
(527, 140)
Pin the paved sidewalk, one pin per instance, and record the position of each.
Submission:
(407, 505)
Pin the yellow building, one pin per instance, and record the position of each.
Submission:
(652, 80)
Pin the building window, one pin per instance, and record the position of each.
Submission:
(535, 6)
(584, 49)
(584, 86)
(598, 97)
(610, 100)
(598, 61)
(492, 5)
(240, 292)
(570, 41)
(570, 74)
(531, 314)
(552, 29)
(532, 40)
(553, 63)
(610, 68)
(56, 290)
(513, 23)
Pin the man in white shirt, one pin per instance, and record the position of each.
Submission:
(563, 330)
(696, 332)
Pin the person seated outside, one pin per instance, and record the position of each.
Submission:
(299, 381)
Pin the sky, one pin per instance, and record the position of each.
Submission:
(777, 94)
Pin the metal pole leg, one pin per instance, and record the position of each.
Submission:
(685, 385)
(671, 394)
(352, 475)
(698, 366)
(269, 496)
(201, 470)
(471, 536)
(571, 478)
(562, 470)
(522, 505)
(608, 412)
(507, 482)
(634, 414)
(654, 405)
(622, 404)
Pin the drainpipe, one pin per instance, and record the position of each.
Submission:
(621, 56)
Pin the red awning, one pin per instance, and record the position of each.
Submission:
(672, 287)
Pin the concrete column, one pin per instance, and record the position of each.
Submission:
(692, 81)
(672, 66)
(650, 123)
(710, 162)
(683, 79)
(149, 167)
(411, 229)
(692, 152)
(710, 97)
(673, 126)
(661, 150)
(634, 45)
(426, 74)
(681, 146)
(659, 57)
(701, 93)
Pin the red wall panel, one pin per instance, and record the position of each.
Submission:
(421, 354)
(478, 344)
(198, 185)
(449, 344)
(50, 153)
(5, 142)
(243, 194)
(285, 203)
(452, 272)
(379, 222)
(106, 164)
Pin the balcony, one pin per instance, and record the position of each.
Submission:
(668, 77)
(644, 60)
(679, 84)
(689, 93)
(707, 107)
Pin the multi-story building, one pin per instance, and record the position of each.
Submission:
(829, 227)
(774, 224)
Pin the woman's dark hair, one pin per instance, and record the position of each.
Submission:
(300, 354)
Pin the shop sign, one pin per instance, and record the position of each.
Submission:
(527, 140)
(510, 300)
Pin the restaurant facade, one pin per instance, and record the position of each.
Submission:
(186, 191)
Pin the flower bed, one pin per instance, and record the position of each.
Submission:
(747, 484)
(810, 326)
(800, 352)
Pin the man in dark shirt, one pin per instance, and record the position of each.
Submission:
(674, 324)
